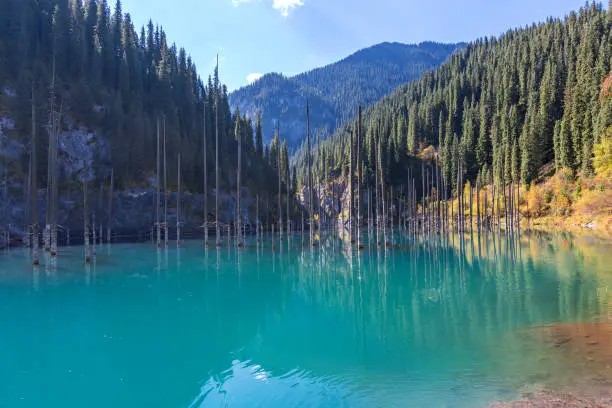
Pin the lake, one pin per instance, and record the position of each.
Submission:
(431, 323)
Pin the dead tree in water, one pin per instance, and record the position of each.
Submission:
(165, 191)
(309, 159)
(376, 184)
(110, 207)
(478, 220)
(359, 175)
(53, 130)
(350, 187)
(205, 196)
(471, 208)
(278, 169)
(158, 195)
(257, 218)
(382, 181)
(423, 199)
(54, 189)
(85, 214)
(178, 205)
(238, 184)
(319, 194)
(34, 185)
(288, 185)
(93, 234)
(217, 161)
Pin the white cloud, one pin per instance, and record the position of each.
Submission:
(285, 5)
(253, 77)
(236, 3)
(281, 5)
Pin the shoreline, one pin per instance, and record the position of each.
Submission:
(599, 227)
(547, 397)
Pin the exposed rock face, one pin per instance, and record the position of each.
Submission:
(133, 211)
(9, 148)
(77, 145)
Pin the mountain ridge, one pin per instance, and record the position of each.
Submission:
(335, 90)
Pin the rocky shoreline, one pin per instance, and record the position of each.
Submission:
(557, 399)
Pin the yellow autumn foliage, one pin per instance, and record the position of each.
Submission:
(602, 159)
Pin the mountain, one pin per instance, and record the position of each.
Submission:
(82, 75)
(335, 91)
(506, 109)
(116, 83)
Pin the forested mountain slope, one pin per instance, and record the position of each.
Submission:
(120, 86)
(502, 107)
(335, 90)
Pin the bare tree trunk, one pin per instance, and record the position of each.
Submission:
(101, 212)
(478, 220)
(423, 199)
(437, 207)
(493, 205)
(518, 206)
(471, 205)
(93, 234)
(257, 218)
(110, 207)
(205, 197)
(288, 177)
(158, 199)
(280, 208)
(178, 205)
(350, 187)
(503, 201)
(310, 186)
(376, 184)
(238, 185)
(217, 164)
(165, 191)
(27, 200)
(382, 186)
(85, 214)
(319, 196)
(359, 175)
(34, 193)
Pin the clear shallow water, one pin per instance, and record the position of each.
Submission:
(420, 325)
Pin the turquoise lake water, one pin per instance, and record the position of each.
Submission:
(419, 325)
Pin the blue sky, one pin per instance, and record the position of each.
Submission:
(292, 36)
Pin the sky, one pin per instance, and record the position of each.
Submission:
(253, 37)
